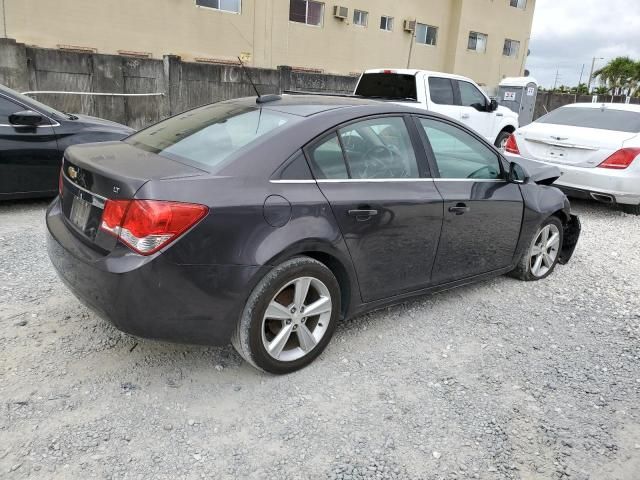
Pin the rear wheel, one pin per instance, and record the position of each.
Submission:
(290, 316)
(631, 209)
(541, 257)
(501, 141)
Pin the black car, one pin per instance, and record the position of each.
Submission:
(265, 223)
(32, 139)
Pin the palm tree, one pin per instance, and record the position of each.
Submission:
(619, 75)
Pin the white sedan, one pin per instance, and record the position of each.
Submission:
(595, 146)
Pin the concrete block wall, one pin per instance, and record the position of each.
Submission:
(184, 85)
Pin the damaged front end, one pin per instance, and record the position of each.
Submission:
(571, 234)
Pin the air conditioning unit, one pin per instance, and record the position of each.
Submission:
(409, 25)
(340, 12)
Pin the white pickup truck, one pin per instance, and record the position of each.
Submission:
(451, 95)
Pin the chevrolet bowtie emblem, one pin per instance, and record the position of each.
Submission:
(73, 173)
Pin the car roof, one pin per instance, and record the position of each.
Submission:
(307, 105)
(610, 106)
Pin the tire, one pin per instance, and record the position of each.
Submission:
(630, 209)
(502, 139)
(526, 269)
(256, 332)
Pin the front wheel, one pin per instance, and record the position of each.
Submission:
(541, 257)
(289, 317)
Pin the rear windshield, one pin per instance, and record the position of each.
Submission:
(604, 119)
(387, 85)
(209, 135)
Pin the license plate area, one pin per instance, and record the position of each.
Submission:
(556, 153)
(80, 211)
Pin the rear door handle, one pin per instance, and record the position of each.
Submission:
(363, 214)
(459, 209)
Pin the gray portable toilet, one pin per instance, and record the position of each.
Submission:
(519, 95)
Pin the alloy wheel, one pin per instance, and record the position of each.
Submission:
(296, 319)
(544, 250)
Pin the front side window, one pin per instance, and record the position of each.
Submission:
(306, 11)
(459, 155)
(441, 90)
(225, 5)
(426, 34)
(379, 148)
(518, 4)
(477, 42)
(511, 48)
(209, 135)
(360, 18)
(7, 107)
(386, 23)
(470, 96)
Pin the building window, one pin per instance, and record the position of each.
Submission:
(519, 4)
(477, 42)
(225, 5)
(511, 48)
(386, 23)
(360, 18)
(426, 34)
(306, 11)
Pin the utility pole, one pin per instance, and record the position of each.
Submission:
(593, 64)
(555, 83)
(581, 72)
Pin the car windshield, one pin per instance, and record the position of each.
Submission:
(32, 103)
(210, 135)
(387, 85)
(601, 118)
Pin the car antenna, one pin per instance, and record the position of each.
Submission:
(261, 98)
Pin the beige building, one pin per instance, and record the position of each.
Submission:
(486, 40)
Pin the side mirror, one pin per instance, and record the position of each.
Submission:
(493, 105)
(517, 174)
(26, 118)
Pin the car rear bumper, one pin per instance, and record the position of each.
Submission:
(150, 296)
(601, 184)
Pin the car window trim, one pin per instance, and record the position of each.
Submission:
(424, 167)
(52, 123)
(432, 157)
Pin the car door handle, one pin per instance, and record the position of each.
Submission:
(464, 116)
(459, 209)
(363, 214)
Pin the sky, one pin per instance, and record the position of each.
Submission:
(569, 33)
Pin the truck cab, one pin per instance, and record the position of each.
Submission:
(452, 95)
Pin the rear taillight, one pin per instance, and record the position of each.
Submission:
(512, 146)
(146, 226)
(621, 159)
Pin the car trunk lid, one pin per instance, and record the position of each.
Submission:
(94, 173)
(568, 145)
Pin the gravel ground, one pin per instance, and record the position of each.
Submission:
(503, 379)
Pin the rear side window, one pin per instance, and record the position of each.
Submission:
(388, 85)
(441, 90)
(379, 148)
(328, 160)
(604, 119)
(209, 135)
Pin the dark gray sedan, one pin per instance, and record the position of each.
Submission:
(266, 222)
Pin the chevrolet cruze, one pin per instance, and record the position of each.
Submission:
(265, 222)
